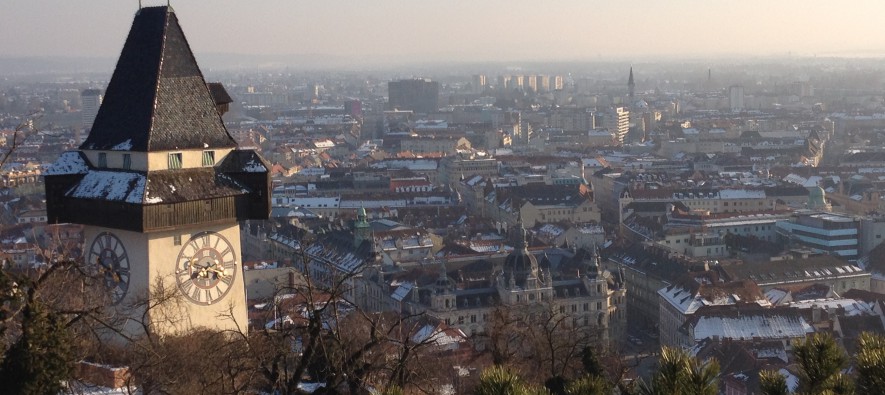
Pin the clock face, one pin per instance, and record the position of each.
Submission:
(206, 268)
(108, 260)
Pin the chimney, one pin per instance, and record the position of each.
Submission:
(293, 278)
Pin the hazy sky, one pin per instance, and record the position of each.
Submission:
(460, 30)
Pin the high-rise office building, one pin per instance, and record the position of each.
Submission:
(543, 83)
(531, 83)
(517, 82)
(91, 100)
(558, 83)
(736, 98)
(479, 83)
(418, 95)
(617, 121)
(503, 82)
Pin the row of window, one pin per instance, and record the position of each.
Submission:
(575, 307)
(174, 161)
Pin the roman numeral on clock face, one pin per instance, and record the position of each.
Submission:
(108, 258)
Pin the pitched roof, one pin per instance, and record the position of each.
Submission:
(219, 94)
(165, 186)
(157, 99)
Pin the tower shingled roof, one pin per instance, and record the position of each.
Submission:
(157, 99)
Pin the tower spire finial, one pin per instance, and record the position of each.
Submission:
(522, 234)
(443, 271)
(630, 84)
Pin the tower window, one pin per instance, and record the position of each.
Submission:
(175, 160)
(102, 159)
(127, 161)
(208, 158)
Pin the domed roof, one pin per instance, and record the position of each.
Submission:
(519, 266)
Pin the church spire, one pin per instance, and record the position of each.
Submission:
(522, 235)
(443, 271)
(362, 230)
(631, 85)
(594, 263)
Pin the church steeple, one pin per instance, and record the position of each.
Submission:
(443, 283)
(593, 264)
(521, 236)
(520, 266)
(631, 86)
(362, 230)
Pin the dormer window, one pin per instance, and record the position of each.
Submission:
(175, 161)
(208, 158)
(127, 161)
(102, 159)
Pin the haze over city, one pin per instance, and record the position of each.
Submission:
(392, 31)
(442, 198)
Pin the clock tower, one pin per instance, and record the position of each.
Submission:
(160, 186)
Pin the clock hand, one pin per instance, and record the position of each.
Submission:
(198, 270)
(219, 271)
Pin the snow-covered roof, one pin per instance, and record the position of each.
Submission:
(70, 162)
(742, 194)
(688, 303)
(310, 387)
(289, 242)
(124, 146)
(442, 338)
(591, 229)
(315, 202)
(792, 380)
(773, 352)
(852, 307)
(592, 162)
(254, 166)
(77, 387)
(411, 164)
(795, 179)
(775, 296)
(764, 326)
(111, 185)
(346, 262)
(812, 181)
(402, 291)
(324, 143)
(473, 180)
(550, 229)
